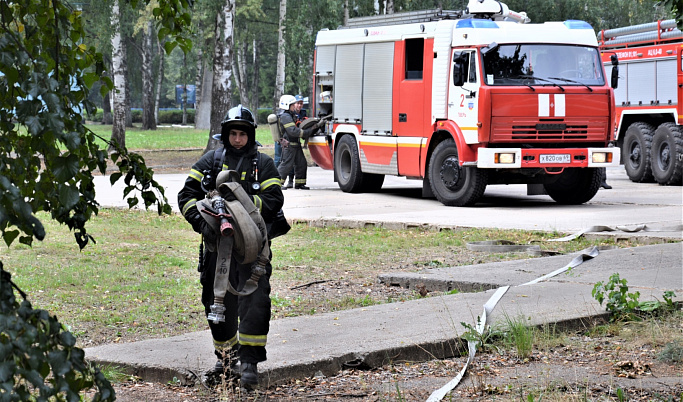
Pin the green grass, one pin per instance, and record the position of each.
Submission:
(169, 137)
(140, 279)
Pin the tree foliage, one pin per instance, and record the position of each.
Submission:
(38, 358)
(47, 160)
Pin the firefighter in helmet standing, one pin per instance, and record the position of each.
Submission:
(242, 336)
(292, 153)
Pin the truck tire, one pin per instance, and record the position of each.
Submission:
(453, 185)
(347, 165)
(667, 151)
(574, 185)
(637, 144)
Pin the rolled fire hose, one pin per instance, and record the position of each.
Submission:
(242, 234)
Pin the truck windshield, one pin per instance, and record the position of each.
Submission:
(542, 64)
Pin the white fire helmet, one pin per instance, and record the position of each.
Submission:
(286, 100)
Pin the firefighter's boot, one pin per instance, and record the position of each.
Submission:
(248, 375)
(226, 369)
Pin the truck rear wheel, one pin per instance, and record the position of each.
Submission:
(453, 185)
(347, 165)
(637, 144)
(574, 186)
(667, 151)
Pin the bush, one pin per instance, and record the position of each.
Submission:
(175, 116)
(172, 116)
(262, 115)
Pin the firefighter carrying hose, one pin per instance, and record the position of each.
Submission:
(240, 332)
(292, 153)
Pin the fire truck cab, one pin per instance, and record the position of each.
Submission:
(462, 100)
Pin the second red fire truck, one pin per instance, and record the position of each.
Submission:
(648, 99)
(479, 97)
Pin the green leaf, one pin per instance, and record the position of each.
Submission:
(9, 236)
(132, 201)
(33, 125)
(65, 168)
(169, 46)
(115, 177)
(90, 78)
(68, 196)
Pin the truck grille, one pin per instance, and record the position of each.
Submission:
(547, 130)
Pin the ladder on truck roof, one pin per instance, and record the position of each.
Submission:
(653, 32)
(409, 17)
(489, 9)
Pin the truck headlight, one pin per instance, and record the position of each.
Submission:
(602, 157)
(504, 158)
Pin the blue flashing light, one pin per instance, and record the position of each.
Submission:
(472, 23)
(577, 24)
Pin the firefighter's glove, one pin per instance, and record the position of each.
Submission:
(284, 143)
(207, 233)
(226, 193)
(308, 132)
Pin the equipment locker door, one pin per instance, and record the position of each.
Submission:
(463, 100)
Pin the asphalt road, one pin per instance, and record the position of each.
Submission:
(400, 204)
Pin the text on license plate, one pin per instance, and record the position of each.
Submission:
(561, 158)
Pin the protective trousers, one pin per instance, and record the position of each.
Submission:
(293, 156)
(247, 318)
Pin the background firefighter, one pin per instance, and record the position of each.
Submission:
(292, 153)
(234, 341)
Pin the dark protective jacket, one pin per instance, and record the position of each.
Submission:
(268, 199)
(290, 130)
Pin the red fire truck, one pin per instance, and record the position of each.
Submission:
(648, 98)
(462, 100)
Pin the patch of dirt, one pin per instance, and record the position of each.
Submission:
(578, 366)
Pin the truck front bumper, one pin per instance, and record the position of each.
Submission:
(516, 158)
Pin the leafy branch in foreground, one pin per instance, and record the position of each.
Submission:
(47, 161)
(39, 359)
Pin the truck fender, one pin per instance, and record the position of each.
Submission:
(466, 152)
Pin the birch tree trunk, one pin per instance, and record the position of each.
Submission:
(241, 78)
(106, 109)
(255, 80)
(346, 13)
(198, 87)
(390, 6)
(160, 79)
(129, 113)
(202, 117)
(184, 98)
(280, 71)
(148, 110)
(118, 128)
(222, 69)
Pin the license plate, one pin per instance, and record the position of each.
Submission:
(561, 158)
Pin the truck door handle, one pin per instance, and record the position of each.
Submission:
(402, 117)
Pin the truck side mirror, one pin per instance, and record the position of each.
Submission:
(458, 69)
(615, 71)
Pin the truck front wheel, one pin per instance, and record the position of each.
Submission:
(347, 165)
(574, 185)
(667, 154)
(452, 184)
(637, 144)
